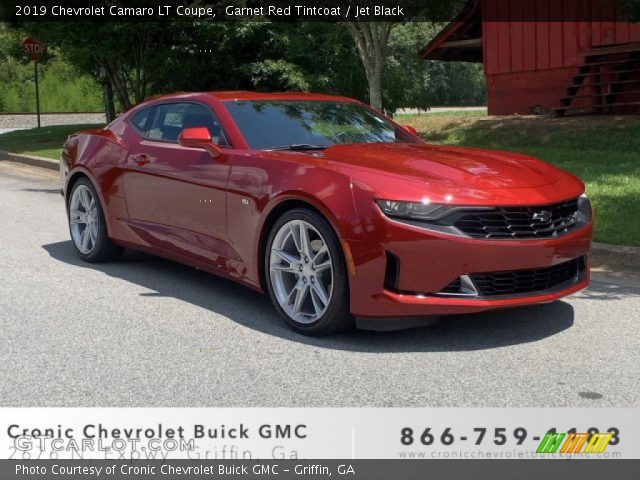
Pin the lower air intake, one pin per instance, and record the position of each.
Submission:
(517, 282)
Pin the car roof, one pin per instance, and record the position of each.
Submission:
(222, 96)
(247, 95)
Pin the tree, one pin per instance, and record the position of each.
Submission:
(371, 40)
(372, 37)
(413, 82)
(324, 56)
(128, 54)
(144, 59)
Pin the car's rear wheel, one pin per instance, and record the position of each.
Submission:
(87, 225)
(306, 274)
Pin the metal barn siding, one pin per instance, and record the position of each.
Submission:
(531, 57)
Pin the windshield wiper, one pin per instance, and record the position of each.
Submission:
(300, 147)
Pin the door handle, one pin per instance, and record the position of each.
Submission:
(140, 159)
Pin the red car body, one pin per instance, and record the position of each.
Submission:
(215, 213)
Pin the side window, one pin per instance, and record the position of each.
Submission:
(171, 118)
(140, 120)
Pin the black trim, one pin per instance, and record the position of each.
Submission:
(391, 271)
(554, 279)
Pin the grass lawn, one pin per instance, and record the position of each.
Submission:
(42, 142)
(603, 151)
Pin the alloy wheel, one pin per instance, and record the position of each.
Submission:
(301, 271)
(84, 219)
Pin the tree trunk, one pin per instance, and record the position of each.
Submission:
(107, 95)
(374, 79)
(375, 92)
(118, 82)
(371, 40)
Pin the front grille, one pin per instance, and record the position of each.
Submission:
(520, 222)
(523, 281)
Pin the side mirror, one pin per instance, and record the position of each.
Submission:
(199, 137)
(411, 130)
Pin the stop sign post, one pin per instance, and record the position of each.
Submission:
(32, 49)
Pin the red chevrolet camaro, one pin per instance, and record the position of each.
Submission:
(330, 207)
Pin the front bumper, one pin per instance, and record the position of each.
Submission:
(427, 262)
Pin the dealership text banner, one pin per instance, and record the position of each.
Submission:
(292, 434)
(324, 443)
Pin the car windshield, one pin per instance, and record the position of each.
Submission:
(310, 124)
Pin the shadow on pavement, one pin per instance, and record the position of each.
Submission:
(601, 289)
(252, 310)
(42, 190)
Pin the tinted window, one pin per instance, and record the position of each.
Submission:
(279, 123)
(171, 118)
(139, 120)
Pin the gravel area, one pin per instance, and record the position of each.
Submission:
(17, 121)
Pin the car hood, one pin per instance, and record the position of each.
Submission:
(465, 167)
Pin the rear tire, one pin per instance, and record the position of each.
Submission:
(306, 274)
(87, 225)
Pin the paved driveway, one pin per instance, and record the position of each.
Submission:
(148, 332)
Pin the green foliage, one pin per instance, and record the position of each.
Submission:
(131, 54)
(410, 81)
(321, 57)
(143, 60)
(228, 56)
(325, 55)
(62, 87)
(278, 72)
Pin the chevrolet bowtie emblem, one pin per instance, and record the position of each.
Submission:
(541, 216)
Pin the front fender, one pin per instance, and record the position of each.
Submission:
(260, 188)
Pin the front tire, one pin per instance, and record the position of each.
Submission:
(87, 225)
(306, 274)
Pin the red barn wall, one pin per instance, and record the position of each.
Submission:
(528, 60)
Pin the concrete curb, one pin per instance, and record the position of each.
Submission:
(619, 258)
(41, 162)
(604, 257)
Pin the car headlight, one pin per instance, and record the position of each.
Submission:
(431, 216)
(584, 209)
(413, 210)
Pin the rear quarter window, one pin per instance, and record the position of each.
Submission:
(140, 120)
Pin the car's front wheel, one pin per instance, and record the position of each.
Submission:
(306, 274)
(87, 225)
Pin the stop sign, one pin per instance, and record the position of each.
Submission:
(32, 49)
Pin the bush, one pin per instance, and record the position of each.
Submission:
(62, 89)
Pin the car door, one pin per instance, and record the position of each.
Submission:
(176, 196)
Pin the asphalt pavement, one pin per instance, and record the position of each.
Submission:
(145, 332)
